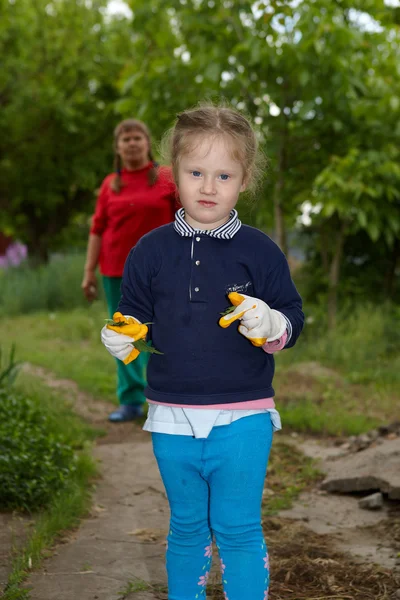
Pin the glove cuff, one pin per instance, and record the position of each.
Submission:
(281, 325)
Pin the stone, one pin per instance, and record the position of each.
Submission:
(362, 442)
(383, 429)
(373, 469)
(372, 502)
(391, 428)
(394, 427)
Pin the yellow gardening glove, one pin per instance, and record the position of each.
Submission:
(259, 322)
(120, 335)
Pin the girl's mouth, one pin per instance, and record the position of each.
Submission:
(207, 203)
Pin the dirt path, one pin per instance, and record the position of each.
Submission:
(118, 552)
(114, 549)
(114, 546)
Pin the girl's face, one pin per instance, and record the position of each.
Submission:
(133, 148)
(210, 181)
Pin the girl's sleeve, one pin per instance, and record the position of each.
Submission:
(136, 297)
(99, 219)
(280, 293)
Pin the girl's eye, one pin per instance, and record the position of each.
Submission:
(196, 173)
(224, 176)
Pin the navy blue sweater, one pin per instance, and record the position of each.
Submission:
(180, 284)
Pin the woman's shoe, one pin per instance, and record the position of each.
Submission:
(126, 412)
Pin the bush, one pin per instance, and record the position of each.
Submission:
(55, 286)
(36, 460)
(35, 463)
(9, 372)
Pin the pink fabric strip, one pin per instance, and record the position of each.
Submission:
(271, 347)
(262, 403)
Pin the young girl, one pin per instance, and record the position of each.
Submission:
(210, 394)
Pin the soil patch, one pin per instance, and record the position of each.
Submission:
(306, 566)
(14, 529)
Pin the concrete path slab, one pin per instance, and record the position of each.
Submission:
(122, 542)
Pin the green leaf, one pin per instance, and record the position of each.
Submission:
(143, 346)
(114, 324)
(394, 103)
(362, 219)
(373, 231)
(228, 311)
(304, 77)
(130, 82)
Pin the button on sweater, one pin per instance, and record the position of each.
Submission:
(179, 283)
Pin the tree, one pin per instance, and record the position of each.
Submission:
(319, 78)
(61, 61)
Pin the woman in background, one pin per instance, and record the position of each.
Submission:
(138, 197)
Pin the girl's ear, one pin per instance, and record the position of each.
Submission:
(243, 187)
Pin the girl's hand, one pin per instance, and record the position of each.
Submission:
(89, 286)
(119, 339)
(259, 322)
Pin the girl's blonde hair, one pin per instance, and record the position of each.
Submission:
(193, 125)
(129, 125)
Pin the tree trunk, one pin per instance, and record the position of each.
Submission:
(323, 248)
(391, 272)
(334, 274)
(280, 229)
(38, 253)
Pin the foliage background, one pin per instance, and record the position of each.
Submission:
(319, 79)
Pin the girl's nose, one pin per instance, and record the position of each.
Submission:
(208, 186)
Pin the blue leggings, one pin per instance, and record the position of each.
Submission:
(214, 488)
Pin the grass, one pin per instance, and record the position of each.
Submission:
(76, 432)
(329, 419)
(54, 327)
(343, 382)
(139, 585)
(364, 347)
(357, 390)
(51, 287)
(67, 508)
(67, 343)
(289, 473)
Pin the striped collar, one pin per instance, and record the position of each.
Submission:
(223, 232)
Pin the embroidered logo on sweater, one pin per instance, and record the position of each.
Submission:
(238, 287)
